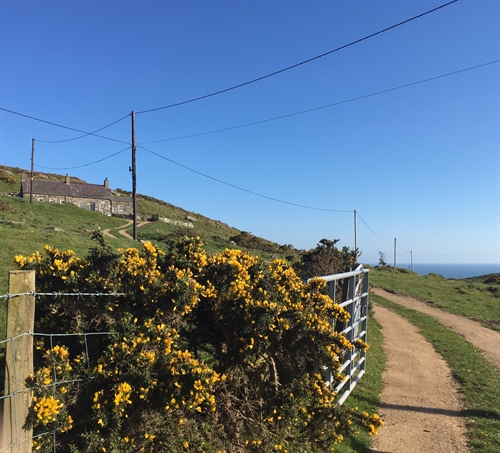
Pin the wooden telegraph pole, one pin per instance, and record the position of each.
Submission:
(32, 168)
(394, 253)
(134, 178)
(355, 238)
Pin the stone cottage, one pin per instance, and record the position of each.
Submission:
(92, 197)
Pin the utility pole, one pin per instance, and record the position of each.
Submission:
(32, 168)
(411, 260)
(355, 238)
(394, 253)
(134, 178)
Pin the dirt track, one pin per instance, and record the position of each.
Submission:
(487, 341)
(123, 229)
(420, 403)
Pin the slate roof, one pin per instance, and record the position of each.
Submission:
(77, 190)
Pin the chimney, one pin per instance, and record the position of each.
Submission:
(67, 180)
(106, 183)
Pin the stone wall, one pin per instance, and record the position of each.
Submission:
(106, 206)
(176, 222)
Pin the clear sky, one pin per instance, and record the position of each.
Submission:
(419, 162)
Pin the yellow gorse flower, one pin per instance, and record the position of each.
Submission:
(46, 409)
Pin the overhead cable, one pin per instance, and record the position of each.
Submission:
(385, 239)
(84, 135)
(85, 165)
(309, 60)
(254, 123)
(238, 187)
(258, 194)
(401, 247)
(66, 127)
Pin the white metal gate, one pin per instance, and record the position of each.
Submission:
(354, 287)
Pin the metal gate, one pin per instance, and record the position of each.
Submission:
(354, 289)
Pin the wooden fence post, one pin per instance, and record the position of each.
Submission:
(18, 363)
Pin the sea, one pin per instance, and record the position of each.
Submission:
(454, 270)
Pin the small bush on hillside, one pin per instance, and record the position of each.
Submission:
(326, 259)
(493, 278)
(251, 242)
(208, 353)
(382, 262)
(5, 206)
(434, 275)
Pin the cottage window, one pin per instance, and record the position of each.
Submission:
(52, 200)
(81, 204)
(40, 199)
(121, 208)
(101, 206)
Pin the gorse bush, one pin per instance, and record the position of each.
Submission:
(208, 353)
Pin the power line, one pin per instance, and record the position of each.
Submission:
(84, 135)
(385, 239)
(66, 127)
(325, 106)
(401, 247)
(258, 194)
(297, 64)
(238, 187)
(85, 165)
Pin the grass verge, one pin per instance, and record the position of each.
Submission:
(478, 378)
(366, 395)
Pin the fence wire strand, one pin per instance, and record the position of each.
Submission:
(52, 338)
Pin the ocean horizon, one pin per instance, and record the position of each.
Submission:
(453, 270)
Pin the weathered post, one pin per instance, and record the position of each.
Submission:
(18, 363)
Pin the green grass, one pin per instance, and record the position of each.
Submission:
(473, 298)
(478, 378)
(26, 228)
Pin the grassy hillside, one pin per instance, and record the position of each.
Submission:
(25, 227)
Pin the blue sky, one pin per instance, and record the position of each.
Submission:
(419, 163)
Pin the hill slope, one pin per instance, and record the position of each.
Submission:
(25, 227)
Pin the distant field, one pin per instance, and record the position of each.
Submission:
(476, 298)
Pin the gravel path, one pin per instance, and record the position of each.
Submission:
(420, 404)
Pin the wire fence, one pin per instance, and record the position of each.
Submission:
(20, 353)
